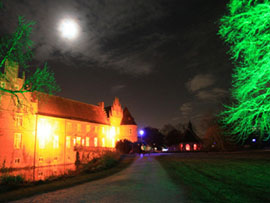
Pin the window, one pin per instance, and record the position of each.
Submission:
(17, 160)
(78, 140)
(103, 142)
(69, 126)
(18, 120)
(68, 142)
(96, 129)
(103, 130)
(79, 127)
(88, 128)
(55, 142)
(74, 141)
(82, 142)
(130, 131)
(17, 140)
(87, 141)
(95, 141)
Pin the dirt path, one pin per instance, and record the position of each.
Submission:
(144, 181)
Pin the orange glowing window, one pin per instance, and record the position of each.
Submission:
(55, 142)
(195, 147)
(95, 142)
(82, 142)
(79, 127)
(103, 142)
(74, 141)
(78, 140)
(18, 120)
(187, 147)
(88, 128)
(17, 140)
(69, 126)
(181, 146)
(68, 142)
(87, 141)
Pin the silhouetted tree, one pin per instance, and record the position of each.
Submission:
(153, 137)
(124, 146)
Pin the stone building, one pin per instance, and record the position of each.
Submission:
(53, 130)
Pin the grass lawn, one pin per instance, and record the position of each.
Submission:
(221, 177)
(30, 190)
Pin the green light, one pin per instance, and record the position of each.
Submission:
(246, 29)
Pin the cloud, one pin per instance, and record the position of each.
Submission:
(200, 81)
(117, 88)
(212, 95)
(186, 109)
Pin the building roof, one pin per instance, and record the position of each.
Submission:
(127, 118)
(67, 108)
(107, 110)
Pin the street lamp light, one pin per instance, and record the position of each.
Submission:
(141, 132)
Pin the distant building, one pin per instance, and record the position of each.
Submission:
(57, 131)
(190, 141)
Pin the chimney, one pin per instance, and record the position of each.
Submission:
(101, 105)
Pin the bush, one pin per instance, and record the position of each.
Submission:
(124, 146)
(107, 160)
(12, 180)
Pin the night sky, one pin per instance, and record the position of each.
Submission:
(162, 58)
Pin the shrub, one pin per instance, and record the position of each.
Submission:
(124, 146)
(12, 180)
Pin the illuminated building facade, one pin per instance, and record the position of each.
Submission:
(54, 130)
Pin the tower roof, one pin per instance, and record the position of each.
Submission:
(127, 118)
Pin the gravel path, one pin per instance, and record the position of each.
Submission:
(144, 181)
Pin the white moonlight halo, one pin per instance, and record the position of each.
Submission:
(69, 28)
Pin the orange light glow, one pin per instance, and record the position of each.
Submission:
(44, 130)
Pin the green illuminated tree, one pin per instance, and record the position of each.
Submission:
(246, 28)
(17, 48)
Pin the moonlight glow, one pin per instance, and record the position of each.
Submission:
(69, 28)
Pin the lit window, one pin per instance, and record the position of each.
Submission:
(103, 142)
(68, 142)
(195, 147)
(95, 141)
(87, 140)
(55, 142)
(88, 128)
(74, 141)
(79, 127)
(78, 140)
(18, 120)
(17, 140)
(187, 147)
(82, 142)
(69, 126)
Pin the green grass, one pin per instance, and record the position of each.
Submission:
(221, 177)
(64, 182)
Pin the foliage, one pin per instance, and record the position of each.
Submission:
(153, 137)
(124, 146)
(246, 29)
(16, 48)
(12, 180)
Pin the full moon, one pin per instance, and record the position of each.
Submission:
(69, 28)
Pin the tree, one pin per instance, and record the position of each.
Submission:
(246, 29)
(16, 48)
(172, 135)
(153, 137)
(124, 146)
